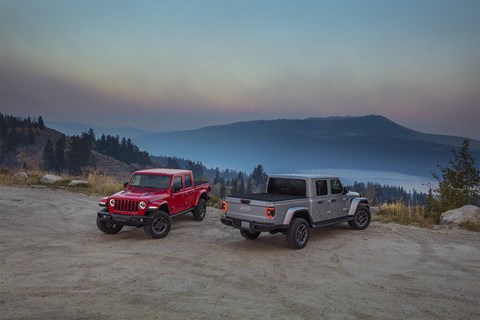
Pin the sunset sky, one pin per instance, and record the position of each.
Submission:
(169, 65)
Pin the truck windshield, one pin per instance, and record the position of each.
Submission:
(150, 181)
(297, 187)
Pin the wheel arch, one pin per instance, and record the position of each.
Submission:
(164, 207)
(201, 195)
(356, 203)
(297, 212)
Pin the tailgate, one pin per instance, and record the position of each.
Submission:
(247, 210)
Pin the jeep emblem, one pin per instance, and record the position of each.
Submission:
(244, 209)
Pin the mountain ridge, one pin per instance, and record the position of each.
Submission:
(77, 128)
(367, 142)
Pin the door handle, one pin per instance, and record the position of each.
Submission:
(333, 200)
(320, 202)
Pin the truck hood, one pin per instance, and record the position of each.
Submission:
(141, 194)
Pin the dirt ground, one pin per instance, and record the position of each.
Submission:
(56, 264)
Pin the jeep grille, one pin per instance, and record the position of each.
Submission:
(126, 206)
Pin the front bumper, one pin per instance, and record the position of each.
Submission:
(249, 225)
(124, 220)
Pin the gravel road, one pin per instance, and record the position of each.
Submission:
(56, 264)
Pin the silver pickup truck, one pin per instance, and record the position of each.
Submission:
(292, 205)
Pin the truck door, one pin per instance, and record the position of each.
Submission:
(321, 200)
(178, 196)
(189, 191)
(338, 202)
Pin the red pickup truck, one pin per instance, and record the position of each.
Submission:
(151, 198)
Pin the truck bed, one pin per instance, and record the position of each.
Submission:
(200, 182)
(267, 197)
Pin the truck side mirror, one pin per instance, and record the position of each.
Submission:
(125, 184)
(345, 190)
(175, 189)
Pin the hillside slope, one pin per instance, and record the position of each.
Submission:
(31, 156)
(370, 142)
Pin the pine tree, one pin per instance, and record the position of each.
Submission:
(60, 161)
(79, 154)
(459, 184)
(217, 176)
(31, 135)
(41, 125)
(48, 155)
(234, 186)
(249, 188)
(223, 191)
(260, 177)
(172, 163)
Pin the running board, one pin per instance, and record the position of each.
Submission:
(332, 221)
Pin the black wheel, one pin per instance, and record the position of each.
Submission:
(297, 233)
(200, 210)
(361, 219)
(107, 226)
(160, 225)
(249, 235)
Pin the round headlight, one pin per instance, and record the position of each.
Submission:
(142, 205)
(112, 202)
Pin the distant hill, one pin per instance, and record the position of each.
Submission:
(75, 128)
(370, 142)
(23, 141)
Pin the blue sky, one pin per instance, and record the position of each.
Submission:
(166, 65)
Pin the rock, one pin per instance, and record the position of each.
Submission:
(50, 178)
(78, 183)
(20, 176)
(468, 213)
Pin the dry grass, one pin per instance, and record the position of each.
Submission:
(98, 183)
(101, 184)
(400, 212)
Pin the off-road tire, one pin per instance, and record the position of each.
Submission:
(160, 225)
(200, 210)
(108, 227)
(249, 235)
(298, 233)
(361, 218)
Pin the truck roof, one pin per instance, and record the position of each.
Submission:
(163, 171)
(304, 176)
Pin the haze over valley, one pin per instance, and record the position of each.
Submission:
(369, 148)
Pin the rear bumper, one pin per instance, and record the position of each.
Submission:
(124, 220)
(249, 225)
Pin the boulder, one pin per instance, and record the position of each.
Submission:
(50, 178)
(23, 176)
(468, 213)
(78, 183)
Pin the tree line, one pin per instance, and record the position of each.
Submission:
(79, 153)
(16, 132)
(123, 150)
(377, 194)
(57, 157)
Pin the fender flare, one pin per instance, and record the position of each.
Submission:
(291, 212)
(356, 202)
(199, 196)
(156, 206)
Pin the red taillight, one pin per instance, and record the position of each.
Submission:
(270, 212)
(225, 206)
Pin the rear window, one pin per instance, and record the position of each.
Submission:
(296, 187)
(188, 181)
